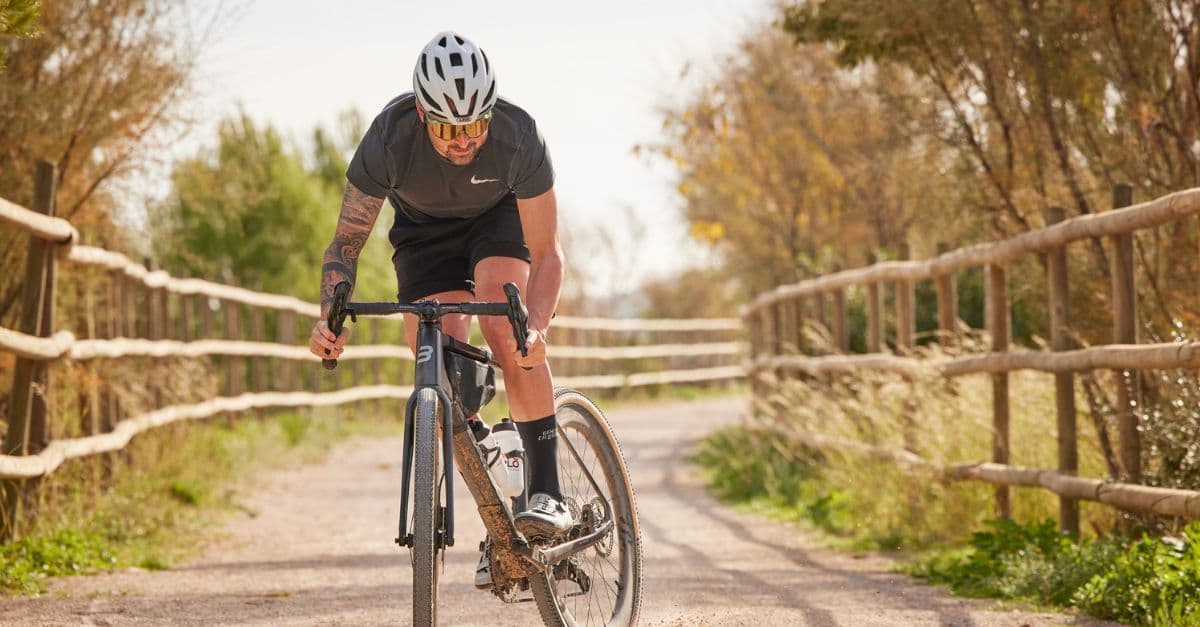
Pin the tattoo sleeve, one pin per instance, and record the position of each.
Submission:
(355, 222)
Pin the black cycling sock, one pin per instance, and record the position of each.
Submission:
(540, 438)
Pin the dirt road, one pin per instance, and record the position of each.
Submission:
(319, 551)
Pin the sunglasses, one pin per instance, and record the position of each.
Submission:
(447, 131)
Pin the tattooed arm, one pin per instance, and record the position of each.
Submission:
(359, 211)
(354, 226)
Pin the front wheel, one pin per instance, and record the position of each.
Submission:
(601, 585)
(426, 502)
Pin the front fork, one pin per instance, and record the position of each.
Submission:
(403, 538)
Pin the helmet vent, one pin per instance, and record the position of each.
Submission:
(433, 105)
(491, 90)
(460, 40)
(453, 109)
(471, 109)
(442, 42)
(462, 88)
(474, 65)
(437, 65)
(455, 59)
(487, 65)
(425, 65)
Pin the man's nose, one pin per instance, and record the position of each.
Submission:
(461, 140)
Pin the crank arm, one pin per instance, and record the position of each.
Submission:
(546, 558)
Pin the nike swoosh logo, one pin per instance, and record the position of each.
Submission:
(475, 181)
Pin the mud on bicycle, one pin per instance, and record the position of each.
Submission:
(591, 575)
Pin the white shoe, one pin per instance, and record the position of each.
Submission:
(483, 572)
(546, 517)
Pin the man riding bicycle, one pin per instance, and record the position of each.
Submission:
(471, 182)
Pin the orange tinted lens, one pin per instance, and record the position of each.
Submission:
(442, 130)
(449, 131)
(476, 128)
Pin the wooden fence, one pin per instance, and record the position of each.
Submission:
(148, 349)
(775, 321)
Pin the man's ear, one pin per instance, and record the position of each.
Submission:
(420, 112)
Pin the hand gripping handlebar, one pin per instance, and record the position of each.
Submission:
(337, 317)
(518, 316)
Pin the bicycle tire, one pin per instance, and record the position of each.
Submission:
(426, 557)
(581, 421)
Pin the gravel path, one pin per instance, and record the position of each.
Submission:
(319, 551)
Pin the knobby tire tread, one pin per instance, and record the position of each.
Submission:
(426, 557)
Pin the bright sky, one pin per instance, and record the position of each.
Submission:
(592, 74)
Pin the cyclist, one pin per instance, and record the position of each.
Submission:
(471, 182)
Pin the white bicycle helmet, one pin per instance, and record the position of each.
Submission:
(453, 80)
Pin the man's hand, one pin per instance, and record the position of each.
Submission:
(535, 343)
(322, 339)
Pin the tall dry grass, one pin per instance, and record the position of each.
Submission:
(944, 422)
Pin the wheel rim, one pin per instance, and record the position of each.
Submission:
(606, 567)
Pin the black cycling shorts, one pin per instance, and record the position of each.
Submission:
(441, 256)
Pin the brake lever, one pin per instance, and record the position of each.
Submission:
(337, 317)
(518, 316)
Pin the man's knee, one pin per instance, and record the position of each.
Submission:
(498, 333)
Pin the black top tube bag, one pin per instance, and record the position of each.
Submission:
(473, 382)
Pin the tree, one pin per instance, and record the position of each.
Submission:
(1046, 104)
(788, 163)
(250, 213)
(94, 91)
(18, 18)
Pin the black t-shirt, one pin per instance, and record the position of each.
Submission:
(396, 160)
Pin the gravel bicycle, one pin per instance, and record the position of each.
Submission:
(589, 576)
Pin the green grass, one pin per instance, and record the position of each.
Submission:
(165, 492)
(1148, 581)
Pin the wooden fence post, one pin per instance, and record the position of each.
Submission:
(756, 336)
(207, 324)
(1064, 382)
(185, 329)
(799, 321)
(791, 309)
(233, 331)
(258, 365)
(905, 314)
(874, 311)
(87, 328)
(113, 329)
(1124, 298)
(768, 330)
(285, 333)
(822, 314)
(841, 336)
(785, 331)
(998, 324)
(947, 299)
(155, 323)
(27, 433)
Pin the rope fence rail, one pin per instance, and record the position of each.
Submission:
(779, 320)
